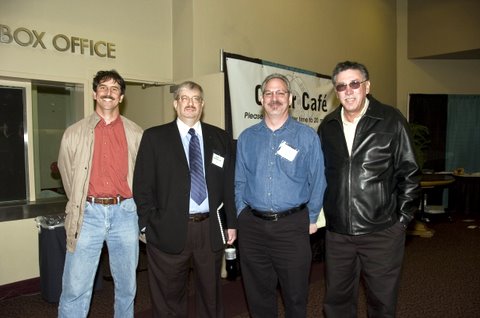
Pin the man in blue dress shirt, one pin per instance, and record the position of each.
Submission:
(279, 186)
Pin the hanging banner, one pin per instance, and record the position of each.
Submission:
(312, 93)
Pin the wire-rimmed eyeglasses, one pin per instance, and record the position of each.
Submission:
(194, 99)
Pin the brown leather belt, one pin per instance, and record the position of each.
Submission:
(106, 201)
(274, 216)
(198, 217)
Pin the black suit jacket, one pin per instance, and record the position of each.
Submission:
(161, 185)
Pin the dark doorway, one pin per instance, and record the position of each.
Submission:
(431, 111)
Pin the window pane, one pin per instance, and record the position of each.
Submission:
(56, 109)
(12, 146)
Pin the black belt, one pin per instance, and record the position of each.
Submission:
(198, 217)
(274, 216)
(106, 201)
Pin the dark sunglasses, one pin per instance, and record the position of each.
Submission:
(352, 84)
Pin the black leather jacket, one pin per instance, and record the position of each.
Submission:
(379, 184)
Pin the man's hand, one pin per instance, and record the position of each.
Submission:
(231, 236)
(313, 228)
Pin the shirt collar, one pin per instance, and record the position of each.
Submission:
(184, 128)
(356, 119)
(286, 125)
(103, 123)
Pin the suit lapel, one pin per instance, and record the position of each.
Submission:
(175, 140)
(207, 149)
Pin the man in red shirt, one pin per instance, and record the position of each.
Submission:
(96, 162)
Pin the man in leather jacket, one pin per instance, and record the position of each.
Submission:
(371, 196)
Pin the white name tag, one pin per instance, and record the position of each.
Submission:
(286, 151)
(218, 160)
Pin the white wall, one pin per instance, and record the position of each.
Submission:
(312, 35)
(144, 105)
(430, 76)
(141, 31)
(18, 251)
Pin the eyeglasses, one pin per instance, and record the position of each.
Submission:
(280, 94)
(195, 99)
(105, 88)
(353, 85)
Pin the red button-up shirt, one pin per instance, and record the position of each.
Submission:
(108, 176)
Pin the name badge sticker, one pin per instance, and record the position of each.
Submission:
(286, 151)
(218, 160)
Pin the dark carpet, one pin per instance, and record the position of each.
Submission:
(441, 278)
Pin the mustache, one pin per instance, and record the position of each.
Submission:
(107, 96)
(275, 103)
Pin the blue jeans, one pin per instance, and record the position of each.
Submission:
(117, 225)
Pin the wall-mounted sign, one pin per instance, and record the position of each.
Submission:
(59, 42)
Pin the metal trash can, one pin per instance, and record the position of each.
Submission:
(52, 244)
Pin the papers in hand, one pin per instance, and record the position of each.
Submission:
(321, 219)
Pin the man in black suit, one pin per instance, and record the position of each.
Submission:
(178, 210)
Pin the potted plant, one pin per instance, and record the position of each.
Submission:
(421, 142)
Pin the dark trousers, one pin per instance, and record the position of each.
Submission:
(378, 257)
(168, 276)
(273, 252)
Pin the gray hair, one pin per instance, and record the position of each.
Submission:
(187, 85)
(276, 76)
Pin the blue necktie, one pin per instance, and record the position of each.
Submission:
(198, 190)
